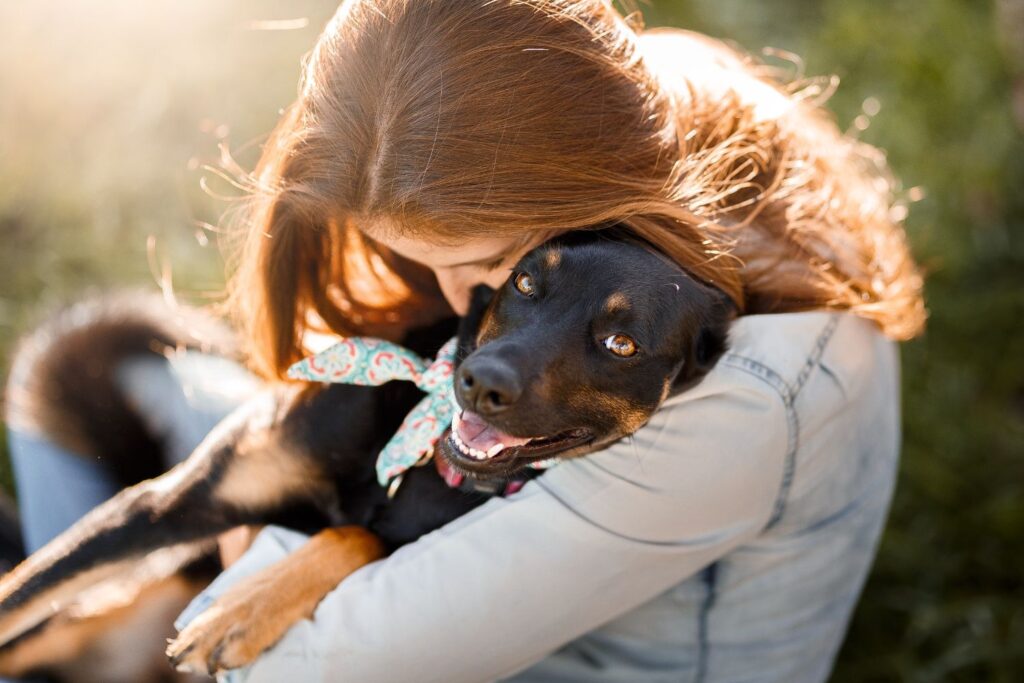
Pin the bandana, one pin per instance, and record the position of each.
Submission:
(371, 362)
(367, 361)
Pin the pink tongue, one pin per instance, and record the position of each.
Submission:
(476, 433)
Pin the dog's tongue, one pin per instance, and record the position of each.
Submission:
(476, 433)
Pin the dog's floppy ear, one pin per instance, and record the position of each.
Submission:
(709, 338)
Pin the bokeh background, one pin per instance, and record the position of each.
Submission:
(110, 111)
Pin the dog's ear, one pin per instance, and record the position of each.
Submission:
(709, 339)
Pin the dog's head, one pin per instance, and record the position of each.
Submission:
(581, 345)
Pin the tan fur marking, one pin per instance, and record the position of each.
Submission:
(46, 604)
(119, 640)
(263, 473)
(628, 417)
(78, 588)
(665, 389)
(489, 328)
(616, 302)
(257, 611)
(553, 258)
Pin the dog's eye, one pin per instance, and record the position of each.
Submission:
(620, 345)
(524, 283)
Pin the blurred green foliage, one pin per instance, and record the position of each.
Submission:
(110, 110)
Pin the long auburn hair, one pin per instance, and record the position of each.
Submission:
(458, 119)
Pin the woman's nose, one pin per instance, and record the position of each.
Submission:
(455, 288)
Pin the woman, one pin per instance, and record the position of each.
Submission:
(434, 142)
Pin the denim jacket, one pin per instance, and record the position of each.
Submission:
(727, 540)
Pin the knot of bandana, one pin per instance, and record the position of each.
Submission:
(370, 362)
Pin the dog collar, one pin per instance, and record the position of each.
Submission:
(368, 361)
(485, 487)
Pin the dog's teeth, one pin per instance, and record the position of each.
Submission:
(475, 453)
(463, 447)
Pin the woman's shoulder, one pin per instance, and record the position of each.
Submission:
(784, 351)
(734, 435)
(718, 451)
(781, 371)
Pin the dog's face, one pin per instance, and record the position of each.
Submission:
(578, 349)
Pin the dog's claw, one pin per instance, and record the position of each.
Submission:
(213, 664)
(177, 658)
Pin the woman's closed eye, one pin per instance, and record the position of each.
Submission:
(493, 264)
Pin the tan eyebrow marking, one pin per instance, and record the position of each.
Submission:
(553, 259)
(616, 302)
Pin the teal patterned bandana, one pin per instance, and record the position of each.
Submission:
(370, 362)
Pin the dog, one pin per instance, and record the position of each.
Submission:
(591, 333)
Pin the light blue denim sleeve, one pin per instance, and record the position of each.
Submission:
(516, 578)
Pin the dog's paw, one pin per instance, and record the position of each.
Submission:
(233, 632)
(255, 613)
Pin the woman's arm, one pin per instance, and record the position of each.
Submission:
(505, 585)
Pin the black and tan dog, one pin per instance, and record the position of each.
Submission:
(579, 348)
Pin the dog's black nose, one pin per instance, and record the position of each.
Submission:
(487, 386)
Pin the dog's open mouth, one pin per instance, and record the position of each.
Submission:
(475, 445)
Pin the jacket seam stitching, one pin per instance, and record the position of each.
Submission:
(814, 359)
(782, 388)
(710, 578)
(788, 394)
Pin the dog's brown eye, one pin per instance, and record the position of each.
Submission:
(524, 283)
(620, 345)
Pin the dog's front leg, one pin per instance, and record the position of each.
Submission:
(242, 473)
(256, 613)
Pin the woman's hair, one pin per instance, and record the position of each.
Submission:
(458, 119)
